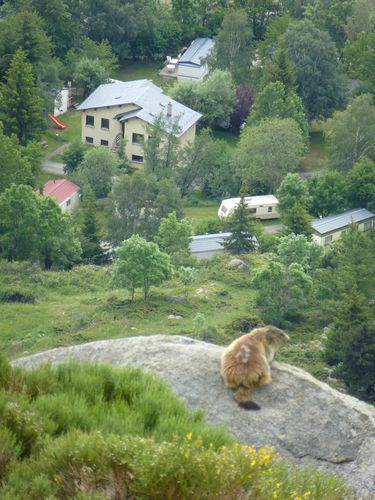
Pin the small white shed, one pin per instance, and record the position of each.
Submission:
(263, 207)
(191, 64)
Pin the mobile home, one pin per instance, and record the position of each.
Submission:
(263, 207)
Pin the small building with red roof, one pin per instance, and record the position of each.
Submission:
(66, 193)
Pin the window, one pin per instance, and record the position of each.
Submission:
(89, 140)
(269, 209)
(68, 202)
(253, 210)
(328, 239)
(105, 123)
(137, 158)
(137, 138)
(90, 120)
(104, 143)
(367, 225)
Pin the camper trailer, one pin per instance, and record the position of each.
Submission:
(263, 207)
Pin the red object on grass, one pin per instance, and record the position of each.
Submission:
(56, 121)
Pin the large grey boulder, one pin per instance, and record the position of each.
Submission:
(307, 421)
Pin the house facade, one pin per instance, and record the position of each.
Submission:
(330, 229)
(126, 110)
(66, 193)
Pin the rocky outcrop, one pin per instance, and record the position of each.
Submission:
(307, 421)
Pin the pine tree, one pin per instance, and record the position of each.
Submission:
(280, 70)
(20, 103)
(351, 344)
(92, 252)
(242, 227)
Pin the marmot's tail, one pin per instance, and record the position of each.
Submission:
(243, 398)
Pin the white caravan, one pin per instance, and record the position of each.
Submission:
(263, 207)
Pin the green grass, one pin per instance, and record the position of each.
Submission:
(231, 138)
(137, 70)
(316, 157)
(201, 213)
(55, 137)
(79, 306)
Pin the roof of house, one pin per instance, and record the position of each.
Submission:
(335, 222)
(60, 189)
(198, 49)
(149, 99)
(207, 242)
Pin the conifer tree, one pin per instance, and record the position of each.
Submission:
(20, 102)
(242, 227)
(92, 252)
(280, 70)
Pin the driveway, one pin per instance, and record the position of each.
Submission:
(54, 167)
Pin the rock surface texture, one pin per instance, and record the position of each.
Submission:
(308, 422)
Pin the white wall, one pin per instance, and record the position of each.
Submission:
(61, 102)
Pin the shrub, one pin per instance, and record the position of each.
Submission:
(17, 294)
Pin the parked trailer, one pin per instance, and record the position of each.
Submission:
(263, 207)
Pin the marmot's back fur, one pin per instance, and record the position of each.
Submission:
(246, 362)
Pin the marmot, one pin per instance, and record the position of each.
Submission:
(246, 362)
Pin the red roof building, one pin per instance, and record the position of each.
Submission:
(65, 192)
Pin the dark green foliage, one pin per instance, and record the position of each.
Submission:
(33, 228)
(140, 264)
(92, 252)
(14, 167)
(293, 190)
(351, 134)
(243, 230)
(73, 156)
(137, 203)
(280, 70)
(283, 292)
(277, 101)
(328, 194)
(315, 63)
(361, 183)
(233, 47)
(351, 344)
(17, 294)
(23, 30)
(297, 220)
(20, 102)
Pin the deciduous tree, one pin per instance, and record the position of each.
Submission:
(315, 63)
(276, 101)
(97, 170)
(140, 264)
(268, 151)
(14, 168)
(283, 293)
(361, 183)
(233, 48)
(328, 193)
(293, 190)
(351, 134)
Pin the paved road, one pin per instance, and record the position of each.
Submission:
(54, 167)
(274, 228)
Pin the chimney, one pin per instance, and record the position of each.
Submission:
(169, 108)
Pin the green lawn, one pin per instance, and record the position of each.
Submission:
(55, 137)
(316, 157)
(137, 70)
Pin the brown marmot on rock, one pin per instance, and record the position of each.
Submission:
(246, 362)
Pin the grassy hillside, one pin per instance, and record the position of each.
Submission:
(41, 310)
(94, 432)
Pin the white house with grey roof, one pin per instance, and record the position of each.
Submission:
(119, 110)
(191, 65)
(329, 229)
